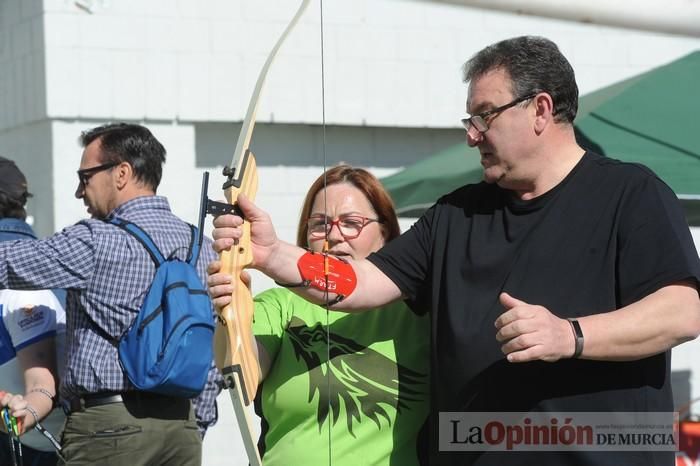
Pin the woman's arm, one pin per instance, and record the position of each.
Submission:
(38, 361)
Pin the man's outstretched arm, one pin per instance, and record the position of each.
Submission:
(279, 260)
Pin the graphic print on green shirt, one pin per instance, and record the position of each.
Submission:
(378, 383)
(362, 378)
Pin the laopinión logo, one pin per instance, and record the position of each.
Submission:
(558, 431)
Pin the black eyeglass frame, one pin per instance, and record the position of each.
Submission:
(328, 224)
(85, 174)
(478, 121)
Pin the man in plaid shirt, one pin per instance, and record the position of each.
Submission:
(107, 273)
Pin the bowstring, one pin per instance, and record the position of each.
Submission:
(325, 242)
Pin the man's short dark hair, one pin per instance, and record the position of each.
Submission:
(131, 143)
(534, 64)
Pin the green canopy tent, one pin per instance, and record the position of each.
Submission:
(649, 118)
(417, 187)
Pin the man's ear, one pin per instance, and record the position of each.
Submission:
(544, 111)
(124, 174)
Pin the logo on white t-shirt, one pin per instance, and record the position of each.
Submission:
(31, 317)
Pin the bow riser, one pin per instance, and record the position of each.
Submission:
(233, 338)
(234, 345)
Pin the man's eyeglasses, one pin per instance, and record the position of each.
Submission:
(479, 122)
(350, 226)
(85, 174)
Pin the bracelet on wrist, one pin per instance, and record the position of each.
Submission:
(44, 392)
(578, 337)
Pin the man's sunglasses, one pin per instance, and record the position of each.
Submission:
(85, 174)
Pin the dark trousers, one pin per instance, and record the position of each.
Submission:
(153, 432)
(30, 456)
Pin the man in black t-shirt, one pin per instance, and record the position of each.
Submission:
(559, 284)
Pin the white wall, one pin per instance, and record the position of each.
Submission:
(22, 90)
(388, 63)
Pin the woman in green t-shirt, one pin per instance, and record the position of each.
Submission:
(363, 398)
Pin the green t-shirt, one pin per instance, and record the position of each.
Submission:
(379, 382)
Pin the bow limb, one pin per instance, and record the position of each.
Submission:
(234, 344)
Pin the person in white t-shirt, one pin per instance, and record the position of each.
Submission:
(32, 325)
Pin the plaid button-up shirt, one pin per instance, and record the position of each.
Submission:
(107, 273)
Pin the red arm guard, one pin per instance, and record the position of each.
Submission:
(340, 274)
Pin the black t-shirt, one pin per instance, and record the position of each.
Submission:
(609, 234)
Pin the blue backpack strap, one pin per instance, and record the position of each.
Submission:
(194, 247)
(142, 237)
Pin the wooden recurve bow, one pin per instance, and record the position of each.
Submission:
(234, 344)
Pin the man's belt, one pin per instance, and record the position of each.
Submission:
(98, 399)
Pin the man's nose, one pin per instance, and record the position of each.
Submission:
(80, 191)
(474, 136)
